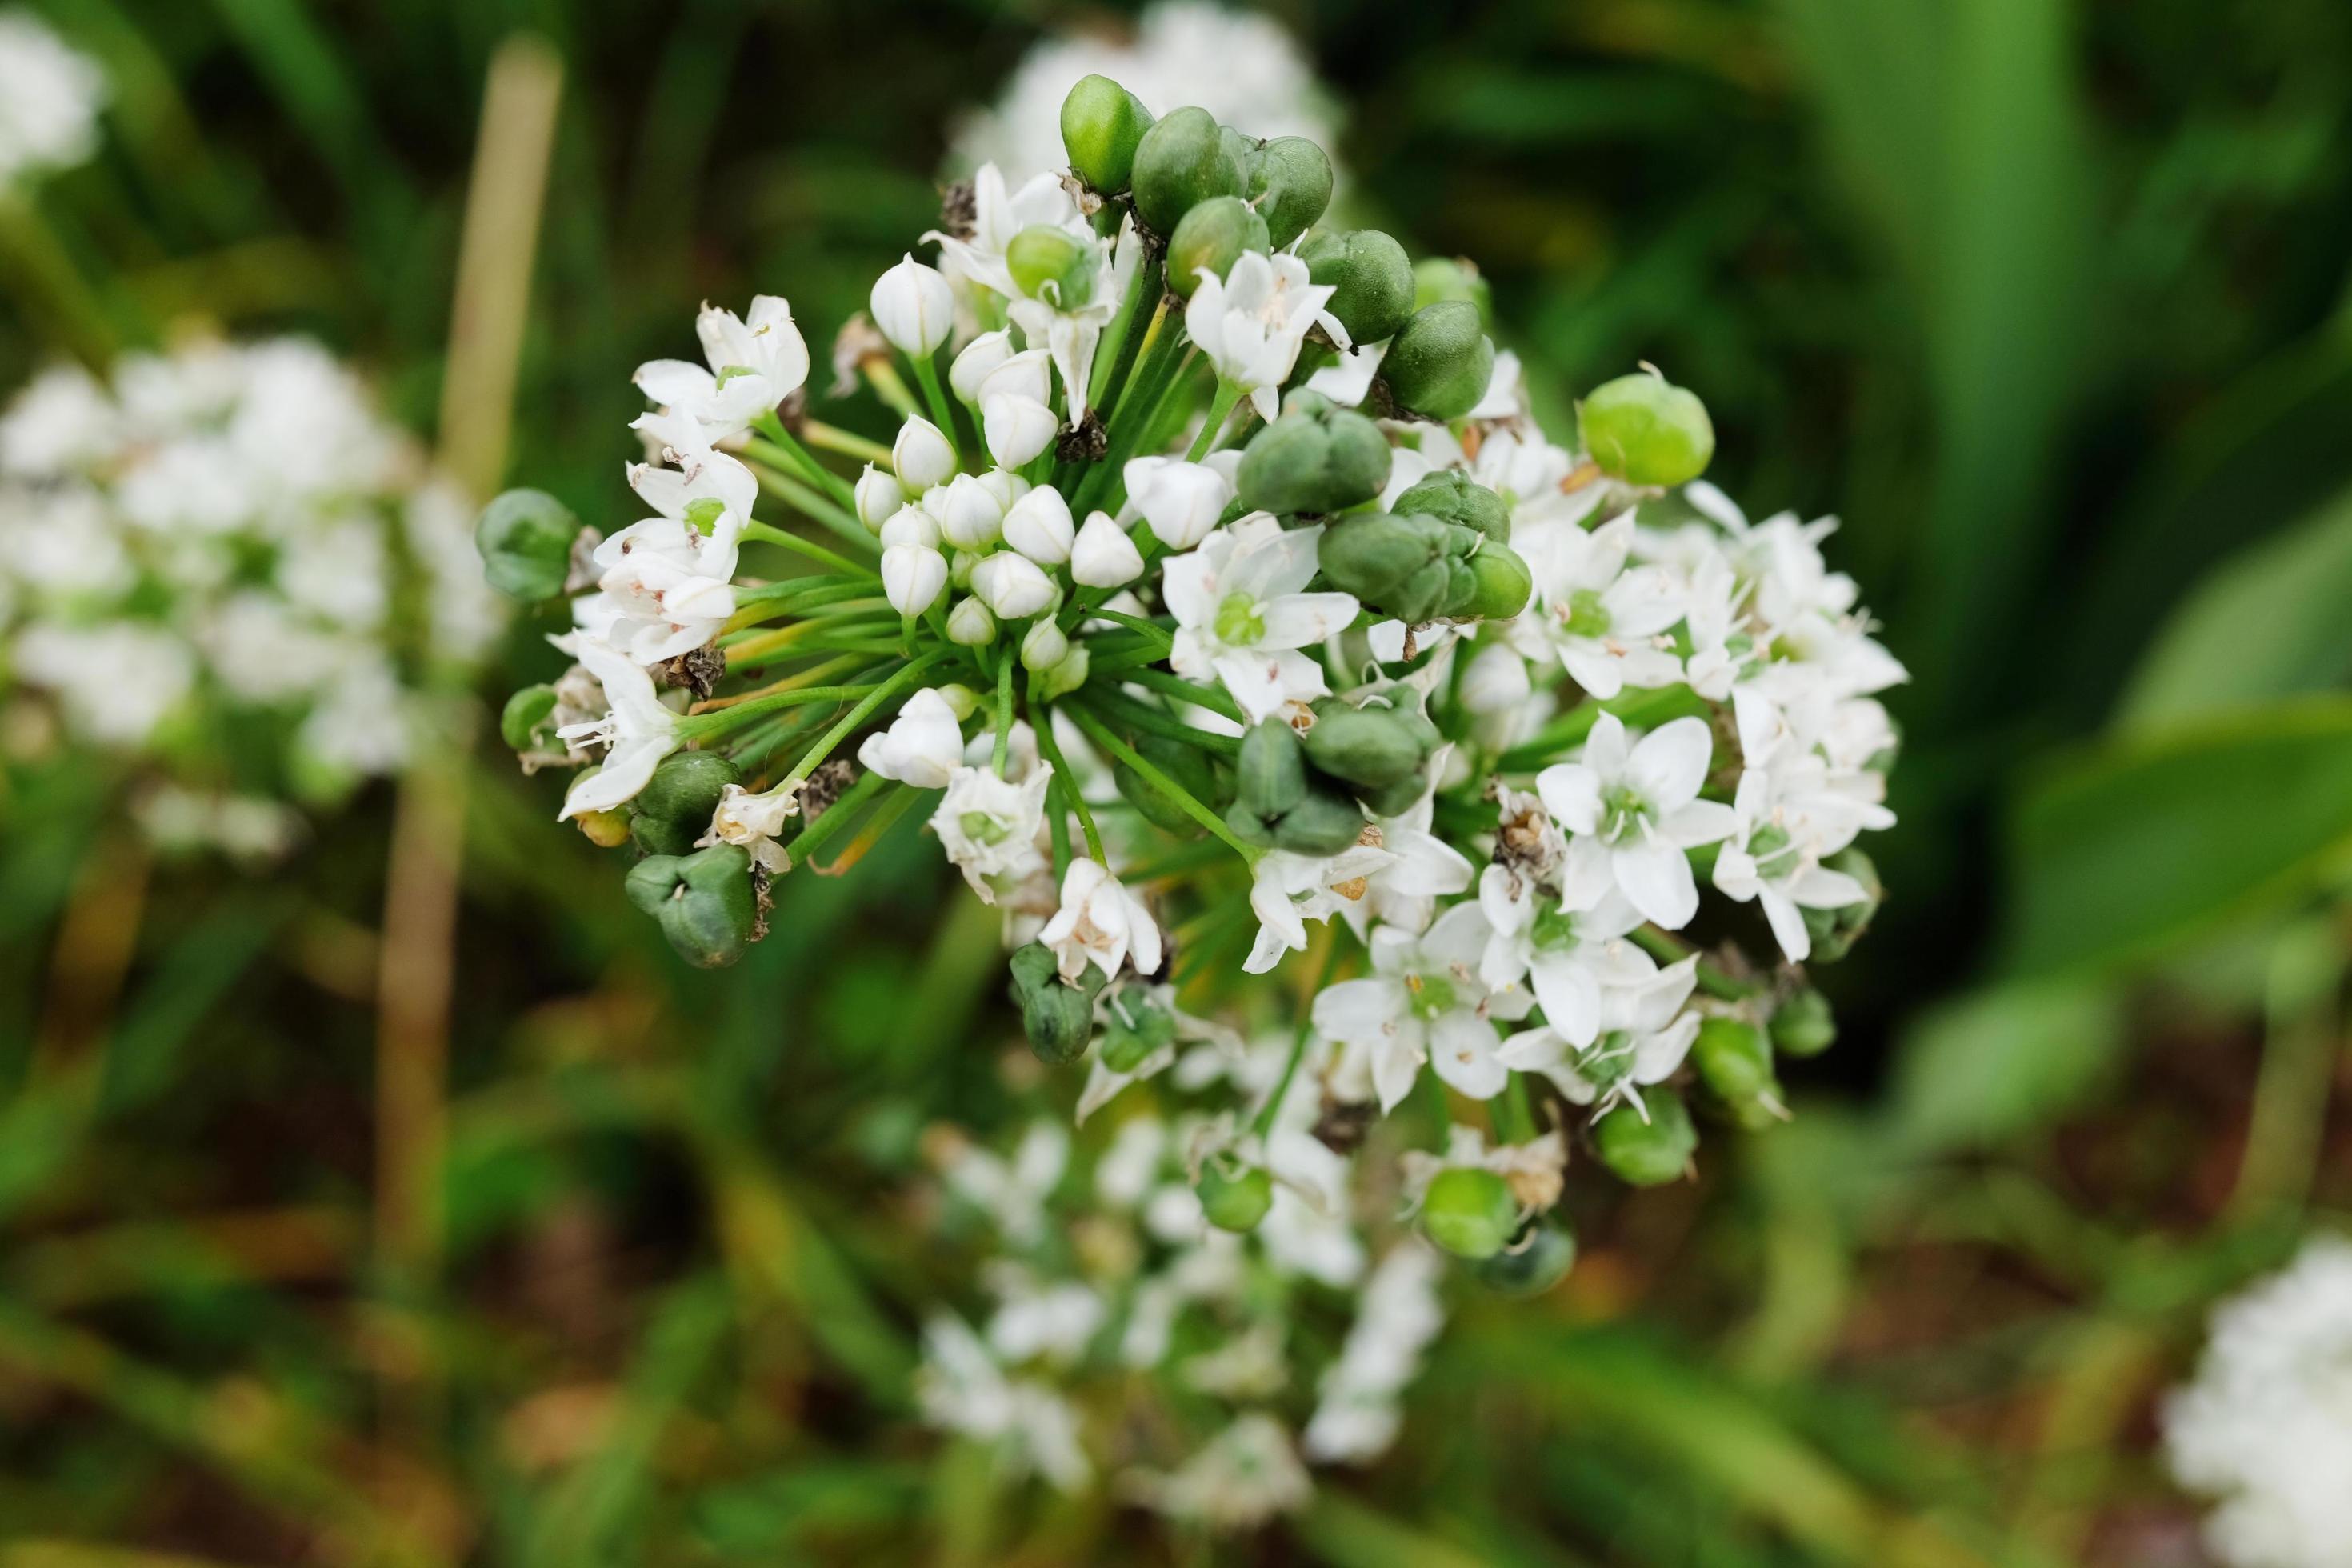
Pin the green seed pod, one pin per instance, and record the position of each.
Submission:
(1101, 124)
(1452, 496)
(1803, 1025)
(1370, 746)
(703, 901)
(1133, 1027)
(1469, 1212)
(1325, 822)
(1503, 585)
(1234, 1200)
(1396, 799)
(1370, 278)
(1317, 457)
(1052, 265)
(1536, 1261)
(1647, 1153)
(674, 808)
(1213, 236)
(525, 539)
(1734, 1060)
(524, 724)
(1189, 766)
(1374, 555)
(1271, 775)
(1645, 431)
(1834, 932)
(1182, 161)
(1059, 1018)
(1290, 181)
(1438, 279)
(1441, 362)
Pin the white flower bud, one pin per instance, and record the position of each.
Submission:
(1016, 428)
(1496, 680)
(913, 307)
(1104, 556)
(913, 577)
(1044, 646)
(1012, 585)
(961, 699)
(980, 356)
(1038, 525)
(911, 525)
(1028, 374)
(970, 517)
(960, 566)
(1005, 485)
(877, 495)
(1066, 676)
(969, 624)
(922, 455)
(1181, 500)
(922, 747)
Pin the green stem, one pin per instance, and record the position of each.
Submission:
(1137, 623)
(906, 675)
(811, 505)
(719, 721)
(1127, 711)
(849, 443)
(1264, 1122)
(1173, 684)
(1100, 734)
(1051, 750)
(771, 535)
(891, 387)
(836, 817)
(1639, 708)
(1511, 1114)
(825, 479)
(1003, 715)
(1220, 408)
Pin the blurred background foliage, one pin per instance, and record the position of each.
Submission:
(2048, 301)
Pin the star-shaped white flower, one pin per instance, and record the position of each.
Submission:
(1291, 890)
(754, 364)
(1644, 1035)
(1774, 857)
(1243, 614)
(988, 828)
(668, 583)
(1424, 1002)
(1603, 621)
(1251, 323)
(1101, 923)
(1634, 809)
(636, 734)
(1567, 954)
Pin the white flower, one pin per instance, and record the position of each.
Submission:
(962, 1390)
(123, 676)
(997, 215)
(754, 365)
(2266, 1427)
(921, 454)
(1027, 375)
(988, 828)
(1101, 923)
(1038, 525)
(754, 822)
(62, 420)
(970, 516)
(1250, 323)
(922, 747)
(976, 360)
(1356, 1412)
(1012, 585)
(1243, 615)
(1242, 1477)
(1771, 856)
(1425, 867)
(1643, 1034)
(1016, 428)
(1633, 812)
(970, 625)
(1044, 646)
(913, 308)
(913, 576)
(1288, 889)
(1181, 500)
(878, 497)
(910, 525)
(1071, 332)
(637, 732)
(1103, 556)
(1566, 952)
(1496, 680)
(50, 95)
(1605, 623)
(668, 583)
(1423, 1002)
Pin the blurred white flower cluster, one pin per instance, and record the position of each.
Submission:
(50, 97)
(227, 566)
(1238, 64)
(2266, 1427)
(1129, 1339)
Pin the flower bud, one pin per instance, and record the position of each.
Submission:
(1734, 1060)
(1317, 457)
(1028, 374)
(911, 525)
(1005, 485)
(923, 745)
(1450, 495)
(1044, 646)
(1134, 1027)
(1187, 766)
(1469, 1212)
(877, 496)
(1012, 585)
(1054, 265)
(1181, 500)
(1057, 1017)
(703, 901)
(1102, 123)
(970, 517)
(1645, 431)
(912, 577)
(1373, 746)
(1436, 279)
(674, 808)
(970, 625)
(1038, 525)
(977, 360)
(913, 307)
(1290, 181)
(1647, 1153)
(1538, 1259)
(1016, 428)
(1496, 680)
(1441, 361)
(923, 456)
(1803, 1025)
(1234, 1199)
(1211, 236)
(525, 539)
(526, 723)
(1371, 279)
(1103, 556)
(961, 699)
(1395, 565)
(1180, 162)
(1503, 585)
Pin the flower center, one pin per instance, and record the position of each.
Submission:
(1622, 813)
(1429, 995)
(983, 828)
(1587, 616)
(1554, 931)
(730, 372)
(703, 514)
(1605, 1063)
(1770, 843)
(1238, 623)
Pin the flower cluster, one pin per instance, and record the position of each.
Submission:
(2265, 1428)
(50, 96)
(229, 568)
(1219, 583)
(1135, 1335)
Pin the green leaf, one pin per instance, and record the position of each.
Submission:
(2269, 621)
(1982, 1068)
(2151, 839)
